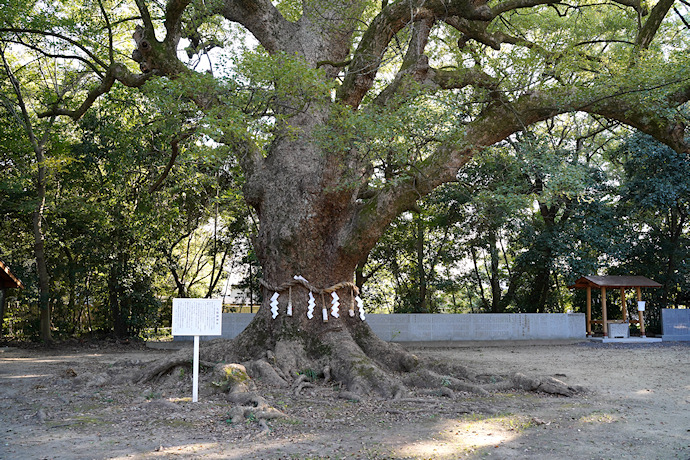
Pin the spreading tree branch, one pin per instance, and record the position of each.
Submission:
(512, 5)
(651, 26)
(145, 14)
(496, 123)
(415, 65)
(59, 36)
(116, 72)
(175, 151)
(470, 17)
(173, 21)
(106, 18)
(683, 20)
(391, 20)
(264, 21)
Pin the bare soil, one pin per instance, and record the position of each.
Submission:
(78, 402)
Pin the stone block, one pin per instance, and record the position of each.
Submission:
(675, 324)
(619, 330)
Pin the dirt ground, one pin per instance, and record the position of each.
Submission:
(77, 402)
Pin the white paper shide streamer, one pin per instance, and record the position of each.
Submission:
(274, 304)
(311, 305)
(334, 305)
(360, 305)
(324, 312)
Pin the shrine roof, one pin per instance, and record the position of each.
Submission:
(614, 282)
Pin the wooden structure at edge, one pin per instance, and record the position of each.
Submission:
(7, 279)
(619, 282)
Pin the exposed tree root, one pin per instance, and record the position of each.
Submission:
(251, 406)
(357, 366)
(160, 368)
(426, 378)
(441, 391)
(389, 375)
(350, 396)
(301, 383)
(350, 365)
(548, 385)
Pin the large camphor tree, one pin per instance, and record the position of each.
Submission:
(343, 114)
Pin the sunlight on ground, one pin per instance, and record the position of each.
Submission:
(184, 449)
(35, 361)
(466, 436)
(214, 450)
(644, 392)
(599, 417)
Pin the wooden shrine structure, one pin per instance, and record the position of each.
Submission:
(7, 281)
(614, 282)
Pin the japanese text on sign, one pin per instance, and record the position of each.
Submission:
(197, 317)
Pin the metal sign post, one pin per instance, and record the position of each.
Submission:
(196, 317)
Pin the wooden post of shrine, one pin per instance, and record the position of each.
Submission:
(623, 306)
(604, 321)
(640, 313)
(589, 311)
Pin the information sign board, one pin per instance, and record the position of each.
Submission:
(197, 317)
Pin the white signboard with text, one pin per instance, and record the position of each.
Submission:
(197, 317)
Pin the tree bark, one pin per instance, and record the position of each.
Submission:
(41, 265)
(422, 303)
(494, 277)
(305, 227)
(473, 252)
(119, 304)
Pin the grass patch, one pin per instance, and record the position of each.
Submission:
(80, 420)
(598, 417)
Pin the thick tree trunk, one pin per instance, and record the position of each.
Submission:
(676, 221)
(305, 217)
(41, 265)
(496, 303)
(473, 252)
(541, 284)
(540, 289)
(179, 284)
(72, 292)
(39, 245)
(118, 306)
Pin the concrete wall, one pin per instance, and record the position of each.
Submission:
(675, 324)
(485, 326)
(435, 327)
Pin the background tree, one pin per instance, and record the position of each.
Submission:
(114, 199)
(37, 134)
(655, 207)
(522, 222)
